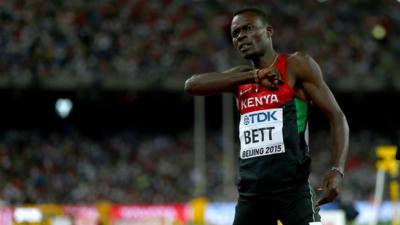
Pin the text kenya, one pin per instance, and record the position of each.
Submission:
(258, 101)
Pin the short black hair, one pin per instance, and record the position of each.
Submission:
(260, 13)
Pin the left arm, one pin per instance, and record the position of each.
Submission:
(309, 77)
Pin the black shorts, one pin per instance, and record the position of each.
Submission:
(290, 209)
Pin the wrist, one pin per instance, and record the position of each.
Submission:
(338, 170)
(255, 75)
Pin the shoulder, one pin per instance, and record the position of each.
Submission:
(302, 65)
(299, 59)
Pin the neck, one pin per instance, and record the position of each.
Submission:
(267, 60)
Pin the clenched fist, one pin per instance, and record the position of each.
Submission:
(269, 78)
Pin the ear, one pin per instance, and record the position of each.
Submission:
(270, 30)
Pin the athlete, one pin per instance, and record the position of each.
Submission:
(273, 98)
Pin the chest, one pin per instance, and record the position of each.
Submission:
(251, 98)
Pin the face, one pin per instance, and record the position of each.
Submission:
(250, 36)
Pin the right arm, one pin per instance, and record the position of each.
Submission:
(218, 82)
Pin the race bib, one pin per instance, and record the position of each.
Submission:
(260, 133)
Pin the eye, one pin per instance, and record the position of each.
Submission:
(235, 33)
(246, 29)
(249, 27)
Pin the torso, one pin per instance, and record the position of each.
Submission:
(272, 134)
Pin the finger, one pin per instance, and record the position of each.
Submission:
(266, 83)
(275, 77)
(265, 73)
(278, 82)
(328, 197)
(275, 71)
(320, 202)
(279, 76)
(273, 81)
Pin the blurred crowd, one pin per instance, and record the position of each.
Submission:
(38, 166)
(355, 42)
(91, 41)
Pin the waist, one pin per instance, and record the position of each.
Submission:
(298, 186)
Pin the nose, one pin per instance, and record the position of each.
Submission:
(241, 35)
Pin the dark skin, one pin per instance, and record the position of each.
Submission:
(252, 37)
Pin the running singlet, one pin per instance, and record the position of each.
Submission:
(273, 137)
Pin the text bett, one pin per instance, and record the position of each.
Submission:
(258, 135)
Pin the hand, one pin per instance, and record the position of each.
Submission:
(331, 187)
(270, 78)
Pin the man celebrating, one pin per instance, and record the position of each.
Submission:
(273, 99)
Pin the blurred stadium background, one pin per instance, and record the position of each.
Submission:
(125, 145)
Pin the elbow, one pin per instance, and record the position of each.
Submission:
(346, 124)
(190, 86)
(340, 118)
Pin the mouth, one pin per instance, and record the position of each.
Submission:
(244, 47)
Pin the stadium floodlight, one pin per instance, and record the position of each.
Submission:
(63, 107)
(379, 32)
